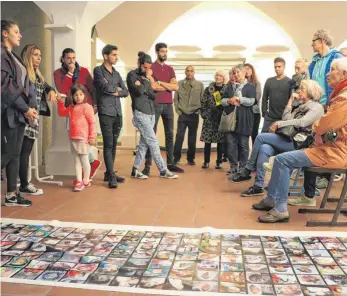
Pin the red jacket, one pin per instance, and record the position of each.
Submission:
(63, 83)
(82, 120)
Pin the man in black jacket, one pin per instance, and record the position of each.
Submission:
(109, 89)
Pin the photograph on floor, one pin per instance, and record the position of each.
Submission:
(173, 261)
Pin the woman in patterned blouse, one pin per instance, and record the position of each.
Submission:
(31, 56)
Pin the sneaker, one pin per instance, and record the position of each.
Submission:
(146, 171)
(138, 175)
(253, 191)
(168, 175)
(218, 166)
(267, 166)
(112, 183)
(120, 179)
(176, 169)
(17, 200)
(231, 172)
(238, 178)
(205, 165)
(191, 162)
(322, 183)
(295, 172)
(79, 186)
(225, 159)
(31, 189)
(94, 166)
(302, 201)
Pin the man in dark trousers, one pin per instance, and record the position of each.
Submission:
(109, 89)
(277, 91)
(163, 83)
(187, 105)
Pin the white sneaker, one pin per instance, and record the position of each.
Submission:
(302, 201)
(168, 175)
(31, 189)
(138, 175)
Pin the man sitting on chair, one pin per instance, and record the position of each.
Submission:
(326, 153)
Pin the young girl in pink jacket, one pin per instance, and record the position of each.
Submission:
(82, 131)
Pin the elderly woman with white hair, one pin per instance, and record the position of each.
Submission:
(239, 97)
(211, 112)
(302, 110)
(325, 152)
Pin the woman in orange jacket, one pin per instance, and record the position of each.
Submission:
(82, 131)
(326, 153)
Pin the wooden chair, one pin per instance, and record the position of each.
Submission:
(322, 210)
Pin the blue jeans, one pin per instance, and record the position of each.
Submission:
(148, 140)
(265, 146)
(280, 178)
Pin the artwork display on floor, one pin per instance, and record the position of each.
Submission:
(177, 263)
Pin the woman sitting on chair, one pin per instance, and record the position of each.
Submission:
(326, 153)
(302, 110)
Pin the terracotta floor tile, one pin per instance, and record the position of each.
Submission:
(57, 291)
(198, 198)
(21, 290)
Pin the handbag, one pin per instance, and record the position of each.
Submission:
(228, 122)
(44, 109)
(290, 131)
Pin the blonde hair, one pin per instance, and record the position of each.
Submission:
(26, 56)
(325, 35)
(222, 73)
(314, 90)
(304, 61)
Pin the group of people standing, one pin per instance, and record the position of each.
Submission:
(231, 112)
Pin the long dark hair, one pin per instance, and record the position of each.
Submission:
(144, 58)
(69, 100)
(254, 78)
(6, 26)
(65, 51)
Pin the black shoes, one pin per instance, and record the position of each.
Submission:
(119, 179)
(17, 201)
(205, 165)
(191, 162)
(242, 176)
(146, 171)
(112, 182)
(218, 166)
(175, 169)
(253, 191)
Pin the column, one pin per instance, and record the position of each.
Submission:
(71, 27)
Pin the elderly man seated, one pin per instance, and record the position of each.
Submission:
(326, 153)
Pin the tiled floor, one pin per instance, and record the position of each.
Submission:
(198, 198)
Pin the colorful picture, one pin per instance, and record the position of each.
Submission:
(195, 262)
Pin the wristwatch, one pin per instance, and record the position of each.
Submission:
(159, 82)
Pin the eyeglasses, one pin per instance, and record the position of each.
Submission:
(314, 40)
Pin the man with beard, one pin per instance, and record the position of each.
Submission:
(109, 89)
(163, 83)
(72, 73)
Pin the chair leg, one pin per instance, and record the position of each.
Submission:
(340, 204)
(327, 191)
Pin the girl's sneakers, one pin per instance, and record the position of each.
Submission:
(80, 185)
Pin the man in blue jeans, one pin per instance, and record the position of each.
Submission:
(277, 195)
